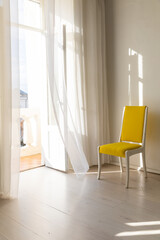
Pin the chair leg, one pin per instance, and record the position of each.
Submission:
(120, 163)
(144, 164)
(127, 171)
(99, 165)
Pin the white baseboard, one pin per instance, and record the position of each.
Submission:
(151, 170)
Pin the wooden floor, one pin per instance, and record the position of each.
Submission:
(58, 206)
(30, 162)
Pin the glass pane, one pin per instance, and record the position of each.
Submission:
(32, 67)
(30, 13)
(23, 70)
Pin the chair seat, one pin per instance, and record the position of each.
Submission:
(117, 149)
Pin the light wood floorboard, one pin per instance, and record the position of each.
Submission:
(54, 205)
(30, 162)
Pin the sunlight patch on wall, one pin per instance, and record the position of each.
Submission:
(129, 89)
(139, 59)
(140, 88)
(140, 66)
(131, 52)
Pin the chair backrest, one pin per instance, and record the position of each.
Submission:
(133, 126)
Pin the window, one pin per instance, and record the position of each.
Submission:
(32, 73)
(32, 51)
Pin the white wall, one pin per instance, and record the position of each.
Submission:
(134, 75)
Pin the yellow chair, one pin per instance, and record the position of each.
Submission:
(131, 141)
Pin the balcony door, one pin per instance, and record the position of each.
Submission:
(57, 157)
(40, 132)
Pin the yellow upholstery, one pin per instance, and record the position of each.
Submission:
(117, 149)
(133, 121)
(132, 140)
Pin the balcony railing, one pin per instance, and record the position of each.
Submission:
(30, 131)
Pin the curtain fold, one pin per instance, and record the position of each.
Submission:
(64, 41)
(95, 40)
(76, 57)
(9, 100)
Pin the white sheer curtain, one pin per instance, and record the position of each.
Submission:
(9, 100)
(96, 76)
(75, 31)
(65, 69)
